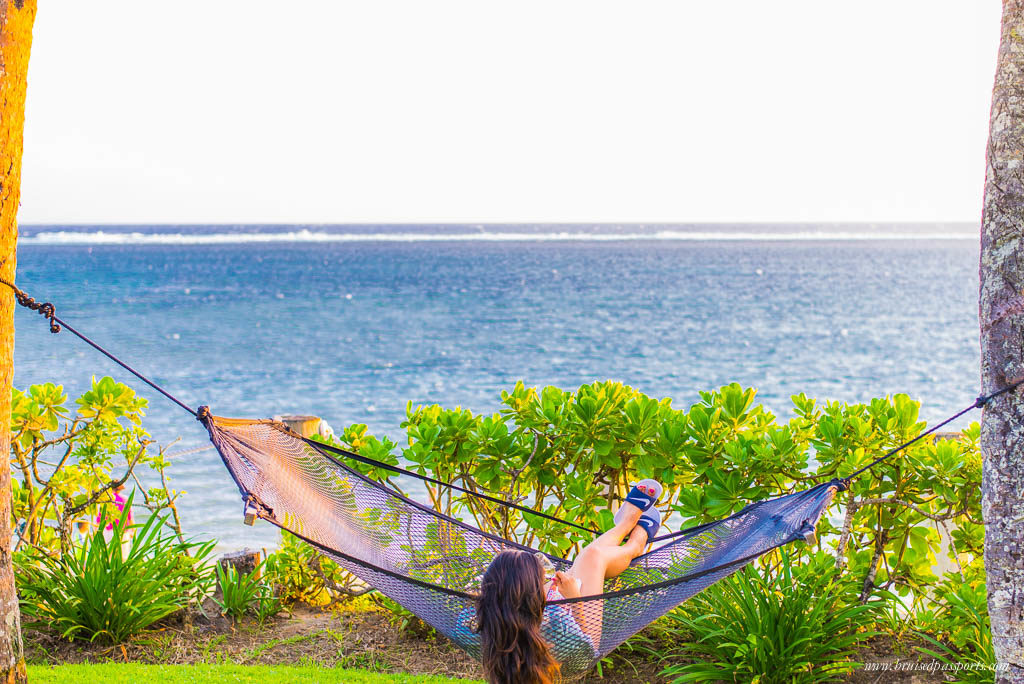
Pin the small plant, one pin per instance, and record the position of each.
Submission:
(300, 573)
(794, 625)
(289, 569)
(241, 593)
(267, 604)
(238, 590)
(99, 592)
(959, 626)
(893, 618)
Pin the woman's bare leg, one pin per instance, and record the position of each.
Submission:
(617, 563)
(600, 560)
(614, 536)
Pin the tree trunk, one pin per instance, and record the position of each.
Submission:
(1002, 350)
(16, 18)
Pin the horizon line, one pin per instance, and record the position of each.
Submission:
(95, 235)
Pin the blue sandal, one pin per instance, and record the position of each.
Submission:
(651, 522)
(643, 495)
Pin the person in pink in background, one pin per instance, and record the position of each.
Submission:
(119, 502)
(114, 517)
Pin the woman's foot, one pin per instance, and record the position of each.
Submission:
(640, 498)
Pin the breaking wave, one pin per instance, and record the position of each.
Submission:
(114, 237)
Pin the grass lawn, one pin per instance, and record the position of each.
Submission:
(133, 673)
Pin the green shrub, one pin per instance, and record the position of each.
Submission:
(792, 624)
(100, 592)
(573, 454)
(267, 604)
(957, 626)
(65, 463)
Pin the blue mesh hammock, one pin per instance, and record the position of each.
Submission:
(432, 564)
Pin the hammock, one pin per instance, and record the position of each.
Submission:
(432, 564)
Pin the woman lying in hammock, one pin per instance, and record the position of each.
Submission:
(510, 609)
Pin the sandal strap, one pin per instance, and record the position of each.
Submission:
(650, 526)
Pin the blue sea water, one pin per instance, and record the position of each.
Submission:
(351, 322)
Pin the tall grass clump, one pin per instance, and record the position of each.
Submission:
(241, 593)
(789, 623)
(111, 590)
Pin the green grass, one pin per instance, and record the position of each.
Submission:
(133, 673)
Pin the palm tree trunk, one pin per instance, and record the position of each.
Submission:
(1002, 350)
(16, 19)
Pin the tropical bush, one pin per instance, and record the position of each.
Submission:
(783, 624)
(267, 604)
(113, 589)
(66, 463)
(573, 454)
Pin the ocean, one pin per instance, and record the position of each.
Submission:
(351, 322)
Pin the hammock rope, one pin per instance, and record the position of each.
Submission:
(56, 325)
(432, 563)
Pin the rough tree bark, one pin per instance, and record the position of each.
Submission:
(1002, 350)
(16, 18)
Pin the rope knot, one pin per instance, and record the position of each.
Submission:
(45, 309)
(203, 414)
(981, 401)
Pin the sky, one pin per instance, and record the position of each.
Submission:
(468, 111)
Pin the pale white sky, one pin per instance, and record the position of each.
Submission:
(470, 111)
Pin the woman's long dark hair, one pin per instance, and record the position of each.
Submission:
(509, 612)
